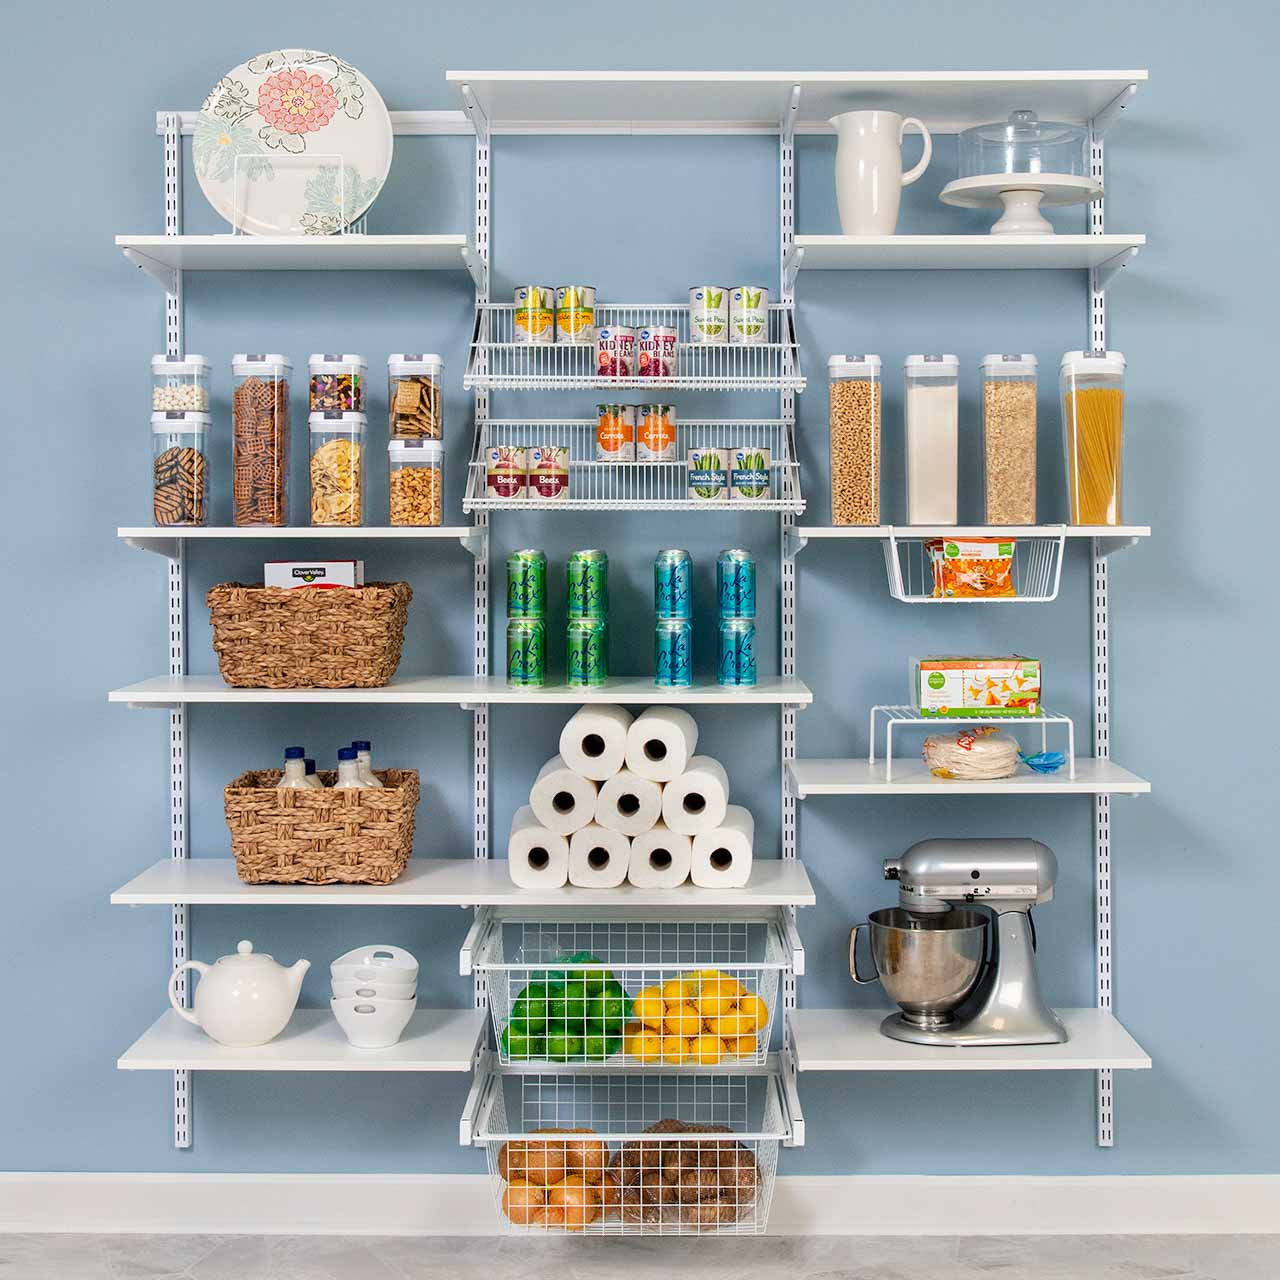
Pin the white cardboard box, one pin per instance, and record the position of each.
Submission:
(313, 573)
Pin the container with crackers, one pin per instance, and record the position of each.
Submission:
(414, 400)
(260, 439)
(337, 467)
(180, 467)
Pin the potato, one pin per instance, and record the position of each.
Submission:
(523, 1201)
(579, 1200)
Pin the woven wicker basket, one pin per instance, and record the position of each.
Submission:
(305, 836)
(302, 638)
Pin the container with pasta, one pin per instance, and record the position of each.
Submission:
(1092, 386)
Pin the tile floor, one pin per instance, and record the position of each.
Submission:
(76, 1257)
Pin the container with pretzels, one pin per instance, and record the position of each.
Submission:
(260, 440)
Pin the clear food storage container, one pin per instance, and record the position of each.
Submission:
(260, 439)
(933, 414)
(1009, 438)
(415, 405)
(337, 468)
(414, 481)
(1092, 388)
(179, 467)
(855, 439)
(180, 382)
(337, 382)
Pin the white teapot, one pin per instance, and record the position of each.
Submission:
(242, 1000)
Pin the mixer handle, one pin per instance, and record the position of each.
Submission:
(853, 957)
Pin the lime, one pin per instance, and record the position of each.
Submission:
(596, 1048)
(518, 1046)
(529, 1016)
(569, 1010)
(561, 1047)
(607, 1012)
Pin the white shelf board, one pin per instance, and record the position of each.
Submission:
(434, 1040)
(449, 882)
(850, 1040)
(165, 540)
(167, 691)
(1110, 537)
(912, 778)
(961, 253)
(296, 253)
(947, 101)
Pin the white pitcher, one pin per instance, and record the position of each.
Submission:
(869, 177)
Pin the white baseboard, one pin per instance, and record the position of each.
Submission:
(461, 1204)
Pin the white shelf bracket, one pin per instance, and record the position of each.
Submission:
(791, 267)
(476, 540)
(1108, 115)
(161, 546)
(794, 541)
(1107, 271)
(790, 116)
(475, 113)
(166, 277)
(476, 268)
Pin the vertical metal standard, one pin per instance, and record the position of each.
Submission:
(786, 561)
(177, 602)
(1101, 641)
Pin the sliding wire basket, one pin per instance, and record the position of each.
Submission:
(1036, 566)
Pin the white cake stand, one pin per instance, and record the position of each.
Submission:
(1021, 195)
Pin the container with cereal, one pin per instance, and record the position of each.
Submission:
(179, 468)
(180, 382)
(414, 481)
(415, 404)
(337, 383)
(656, 433)
(855, 439)
(337, 468)
(1009, 438)
(260, 440)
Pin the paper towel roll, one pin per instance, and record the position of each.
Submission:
(696, 800)
(537, 858)
(594, 742)
(722, 858)
(660, 743)
(598, 857)
(628, 803)
(562, 799)
(660, 858)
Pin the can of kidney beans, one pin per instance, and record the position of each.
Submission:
(615, 351)
(656, 345)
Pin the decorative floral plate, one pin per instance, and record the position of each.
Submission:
(293, 142)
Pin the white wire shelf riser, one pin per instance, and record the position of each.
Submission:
(714, 1178)
(498, 360)
(1036, 569)
(718, 983)
(596, 484)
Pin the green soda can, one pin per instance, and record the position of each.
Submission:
(587, 578)
(527, 584)
(586, 653)
(526, 653)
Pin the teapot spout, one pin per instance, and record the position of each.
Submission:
(296, 974)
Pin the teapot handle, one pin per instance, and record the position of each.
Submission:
(202, 968)
(912, 174)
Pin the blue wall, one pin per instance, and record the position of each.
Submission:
(1193, 972)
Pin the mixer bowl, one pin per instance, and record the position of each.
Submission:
(928, 963)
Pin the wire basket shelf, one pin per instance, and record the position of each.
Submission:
(634, 486)
(650, 1155)
(654, 994)
(497, 360)
(1036, 565)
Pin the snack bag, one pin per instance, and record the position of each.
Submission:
(971, 568)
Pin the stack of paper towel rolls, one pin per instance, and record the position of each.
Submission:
(627, 800)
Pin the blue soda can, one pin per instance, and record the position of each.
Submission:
(673, 653)
(673, 585)
(737, 651)
(736, 585)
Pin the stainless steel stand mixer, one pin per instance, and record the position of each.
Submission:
(963, 976)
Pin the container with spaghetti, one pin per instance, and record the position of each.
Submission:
(1092, 387)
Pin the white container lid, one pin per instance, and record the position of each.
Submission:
(336, 420)
(180, 364)
(410, 364)
(319, 363)
(945, 366)
(1094, 362)
(1014, 366)
(257, 363)
(179, 421)
(415, 451)
(854, 366)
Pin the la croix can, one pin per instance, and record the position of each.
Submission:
(615, 351)
(736, 584)
(587, 584)
(575, 313)
(656, 348)
(533, 322)
(527, 584)
(709, 313)
(549, 473)
(505, 472)
(737, 651)
(709, 474)
(748, 314)
(526, 653)
(656, 433)
(586, 652)
(673, 584)
(615, 433)
(673, 653)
